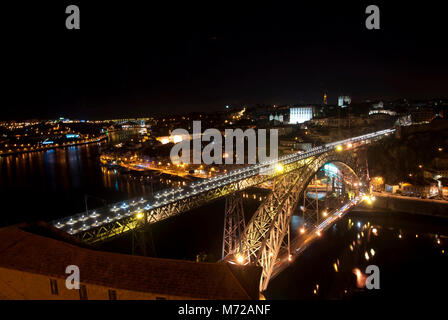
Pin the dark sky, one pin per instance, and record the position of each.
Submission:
(131, 59)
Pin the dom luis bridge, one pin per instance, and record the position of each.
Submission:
(320, 185)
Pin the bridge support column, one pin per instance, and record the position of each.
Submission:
(139, 243)
(234, 224)
(142, 240)
(310, 209)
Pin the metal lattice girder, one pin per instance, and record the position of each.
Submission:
(310, 210)
(139, 242)
(142, 239)
(123, 225)
(264, 234)
(234, 224)
(118, 224)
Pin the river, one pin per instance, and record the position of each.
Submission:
(51, 184)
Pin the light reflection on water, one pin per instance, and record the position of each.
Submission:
(48, 184)
(410, 251)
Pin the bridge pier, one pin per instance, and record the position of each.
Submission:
(310, 209)
(143, 242)
(234, 224)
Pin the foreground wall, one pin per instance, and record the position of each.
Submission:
(19, 285)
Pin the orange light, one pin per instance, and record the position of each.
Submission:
(240, 259)
(360, 278)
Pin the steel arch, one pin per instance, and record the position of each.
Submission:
(264, 234)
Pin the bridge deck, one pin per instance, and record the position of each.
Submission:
(109, 221)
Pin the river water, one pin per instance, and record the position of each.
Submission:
(410, 251)
(50, 184)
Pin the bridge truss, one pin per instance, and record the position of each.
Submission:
(264, 236)
(132, 219)
(262, 239)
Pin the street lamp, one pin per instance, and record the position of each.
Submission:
(279, 168)
(239, 259)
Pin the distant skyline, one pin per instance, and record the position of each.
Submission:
(135, 60)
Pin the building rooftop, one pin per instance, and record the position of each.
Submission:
(21, 248)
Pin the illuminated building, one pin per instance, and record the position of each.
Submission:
(276, 117)
(344, 101)
(383, 111)
(300, 114)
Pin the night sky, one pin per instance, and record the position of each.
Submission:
(131, 59)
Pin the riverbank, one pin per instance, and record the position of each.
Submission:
(52, 146)
(435, 208)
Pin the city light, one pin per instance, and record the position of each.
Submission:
(360, 278)
(339, 148)
(368, 199)
(279, 168)
(335, 267)
(366, 255)
(239, 259)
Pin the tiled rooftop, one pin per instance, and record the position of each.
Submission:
(27, 251)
